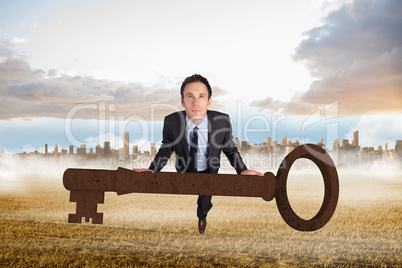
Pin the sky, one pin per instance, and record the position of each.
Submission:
(82, 72)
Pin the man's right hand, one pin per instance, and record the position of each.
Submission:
(142, 170)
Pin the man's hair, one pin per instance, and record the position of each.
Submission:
(196, 78)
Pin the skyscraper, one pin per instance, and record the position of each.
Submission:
(46, 149)
(355, 141)
(98, 149)
(269, 144)
(244, 147)
(398, 148)
(153, 150)
(126, 144)
(335, 145)
(284, 141)
(135, 151)
(274, 146)
(345, 143)
(106, 149)
(122, 154)
(82, 151)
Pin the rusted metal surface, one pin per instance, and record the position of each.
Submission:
(87, 202)
(87, 187)
(128, 181)
(90, 180)
(331, 185)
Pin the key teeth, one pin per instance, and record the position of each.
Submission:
(86, 206)
(96, 219)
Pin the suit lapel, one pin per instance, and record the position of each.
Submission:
(210, 148)
(181, 127)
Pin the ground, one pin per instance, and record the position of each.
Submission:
(156, 230)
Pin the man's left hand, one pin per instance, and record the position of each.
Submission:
(251, 172)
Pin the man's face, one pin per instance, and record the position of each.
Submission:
(195, 101)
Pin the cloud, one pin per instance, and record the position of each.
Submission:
(6, 51)
(377, 130)
(29, 93)
(292, 107)
(34, 26)
(356, 55)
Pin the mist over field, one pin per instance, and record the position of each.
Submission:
(261, 163)
(150, 230)
(161, 230)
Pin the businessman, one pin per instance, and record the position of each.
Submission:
(198, 136)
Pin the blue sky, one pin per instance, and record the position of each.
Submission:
(74, 72)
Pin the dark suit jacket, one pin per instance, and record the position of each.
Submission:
(219, 139)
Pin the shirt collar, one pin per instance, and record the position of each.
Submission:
(202, 125)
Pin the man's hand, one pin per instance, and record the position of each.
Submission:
(141, 170)
(251, 172)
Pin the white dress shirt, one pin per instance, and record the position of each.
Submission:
(202, 152)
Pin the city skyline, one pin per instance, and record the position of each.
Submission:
(344, 152)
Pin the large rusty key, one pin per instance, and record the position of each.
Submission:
(88, 186)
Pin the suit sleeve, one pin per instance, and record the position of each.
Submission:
(231, 151)
(165, 151)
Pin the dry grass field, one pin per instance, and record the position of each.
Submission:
(149, 230)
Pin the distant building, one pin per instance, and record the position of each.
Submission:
(136, 153)
(122, 154)
(355, 142)
(82, 151)
(344, 154)
(269, 144)
(237, 142)
(321, 143)
(153, 150)
(345, 144)
(335, 145)
(98, 150)
(244, 147)
(284, 141)
(398, 148)
(274, 146)
(126, 145)
(106, 149)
